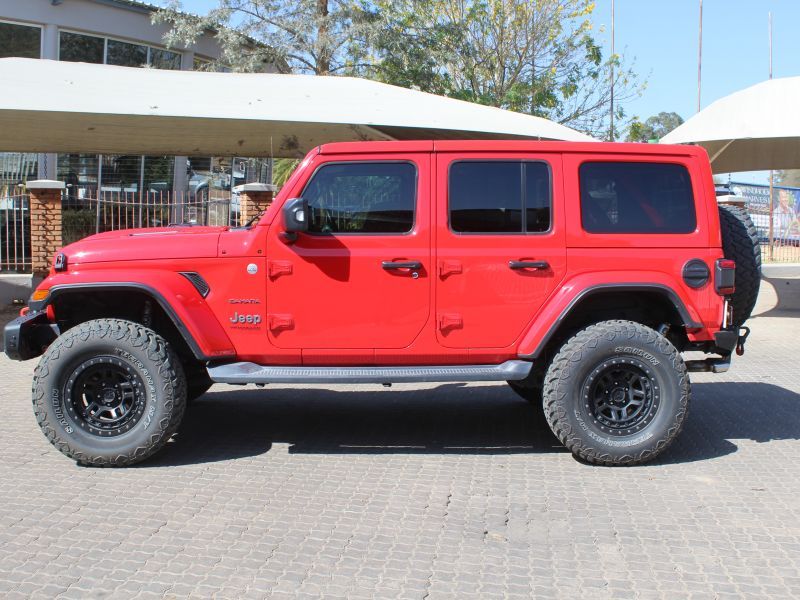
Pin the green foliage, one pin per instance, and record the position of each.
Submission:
(654, 128)
(282, 169)
(321, 37)
(538, 56)
(788, 177)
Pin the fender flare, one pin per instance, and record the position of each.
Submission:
(155, 294)
(664, 290)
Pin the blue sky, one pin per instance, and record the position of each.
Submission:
(660, 36)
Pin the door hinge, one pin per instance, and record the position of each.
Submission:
(280, 322)
(449, 321)
(450, 267)
(279, 267)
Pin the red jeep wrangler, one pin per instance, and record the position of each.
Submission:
(578, 273)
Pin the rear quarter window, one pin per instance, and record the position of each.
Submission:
(636, 197)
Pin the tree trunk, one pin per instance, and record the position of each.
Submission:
(324, 53)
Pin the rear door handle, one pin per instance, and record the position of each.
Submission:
(528, 264)
(413, 265)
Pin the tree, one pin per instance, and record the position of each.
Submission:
(321, 37)
(537, 57)
(654, 128)
(788, 177)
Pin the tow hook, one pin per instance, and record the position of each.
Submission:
(744, 332)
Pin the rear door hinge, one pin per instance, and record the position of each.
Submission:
(449, 321)
(450, 267)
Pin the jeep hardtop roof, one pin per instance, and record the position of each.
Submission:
(608, 148)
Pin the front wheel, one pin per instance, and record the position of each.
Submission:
(617, 393)
(109, 393)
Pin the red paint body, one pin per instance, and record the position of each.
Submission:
(326, 300)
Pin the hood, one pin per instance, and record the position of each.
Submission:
(157, 243)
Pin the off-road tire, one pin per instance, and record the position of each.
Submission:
(578, 366)
(740, 244)
(134, 347)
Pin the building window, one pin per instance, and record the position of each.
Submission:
(500, 197)
(79, 174)
(164, 59)
(124, 54)
(631, 197)
(79, 47)
(22, 41)
(76, 47)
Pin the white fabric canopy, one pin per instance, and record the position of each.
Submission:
(49, 106)
(755, 129)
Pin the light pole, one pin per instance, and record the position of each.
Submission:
(611, 135)
(699, 56)
(771, 172)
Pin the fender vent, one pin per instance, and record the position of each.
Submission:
(198, 282)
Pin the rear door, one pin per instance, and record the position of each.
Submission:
(500, 242)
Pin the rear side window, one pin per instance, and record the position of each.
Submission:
(362, 198)
(499, 197)
(635, 197)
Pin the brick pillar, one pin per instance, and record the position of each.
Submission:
(45, 211)
(253, 198)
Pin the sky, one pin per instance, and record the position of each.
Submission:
(660, 39)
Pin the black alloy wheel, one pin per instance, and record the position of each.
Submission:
(104, 396)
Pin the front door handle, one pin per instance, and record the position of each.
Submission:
(413, 265)
(528, 264)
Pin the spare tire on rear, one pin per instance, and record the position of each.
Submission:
(740, 244)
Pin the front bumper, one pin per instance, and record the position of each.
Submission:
(28, 336)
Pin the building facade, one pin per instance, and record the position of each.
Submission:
(113, 32)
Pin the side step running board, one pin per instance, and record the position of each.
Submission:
(247, 372)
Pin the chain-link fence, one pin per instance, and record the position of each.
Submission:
(777, 222)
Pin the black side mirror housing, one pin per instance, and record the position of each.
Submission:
(295, 215)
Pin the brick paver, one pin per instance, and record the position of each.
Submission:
(434, 491)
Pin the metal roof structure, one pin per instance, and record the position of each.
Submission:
(78, 107)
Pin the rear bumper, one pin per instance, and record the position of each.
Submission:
(27, 337)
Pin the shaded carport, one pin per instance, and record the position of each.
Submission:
(78, 107)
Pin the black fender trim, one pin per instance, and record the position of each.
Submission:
(60, 290)
(669, 293)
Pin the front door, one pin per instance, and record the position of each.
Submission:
(500, 240)
(359, 279)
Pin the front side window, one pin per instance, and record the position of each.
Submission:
(19, 40)
(499, 197)
(362, 198)
(636, 197)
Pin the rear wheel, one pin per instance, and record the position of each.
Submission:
(617, 393)
(109, 393)
(740, 244)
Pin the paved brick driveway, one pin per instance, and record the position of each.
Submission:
(432, 492)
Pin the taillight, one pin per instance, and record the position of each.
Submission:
(725, 276)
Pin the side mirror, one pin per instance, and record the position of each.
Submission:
(295, 215)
